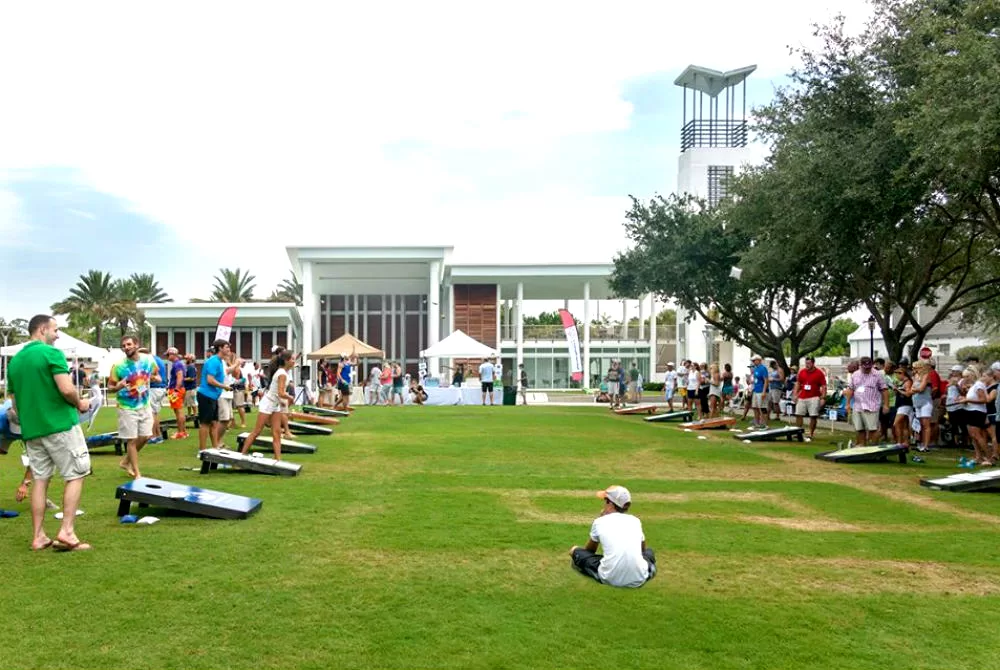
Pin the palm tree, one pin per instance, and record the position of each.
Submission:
(139, 287)
(93, 301)
(289, 290)
(233, 286)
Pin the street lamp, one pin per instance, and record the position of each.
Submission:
(871, 336)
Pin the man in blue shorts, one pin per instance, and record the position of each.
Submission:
(759, 400)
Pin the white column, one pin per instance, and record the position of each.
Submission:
(519, 331)
(586, 334)
(451, 321)
(642, 320)
(152, 340)
(652, 336)
(434, 316)
(499, 334)
(310, 317)
(624, 333)
(566, 305)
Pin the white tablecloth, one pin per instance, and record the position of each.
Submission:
(456, 396)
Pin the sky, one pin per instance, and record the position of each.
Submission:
(179, 138)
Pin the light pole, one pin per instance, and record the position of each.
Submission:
(871, 336)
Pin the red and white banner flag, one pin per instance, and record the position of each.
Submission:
(225, 327)
(573, 340)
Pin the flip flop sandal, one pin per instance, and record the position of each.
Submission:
(43, 547)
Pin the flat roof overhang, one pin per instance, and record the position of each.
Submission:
(206, 314)
(553, 281)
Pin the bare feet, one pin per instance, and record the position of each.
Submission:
(127, 467)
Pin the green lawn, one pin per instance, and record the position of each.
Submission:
(438, 537)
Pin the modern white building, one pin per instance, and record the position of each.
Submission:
(944, 340)
(405, 299)
(714, 138)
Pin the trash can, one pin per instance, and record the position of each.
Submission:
(509, 395)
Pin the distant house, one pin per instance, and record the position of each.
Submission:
(944, 340)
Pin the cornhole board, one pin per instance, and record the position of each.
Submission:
(212, 458)
(324, 411)
(985, 480)
(106, 440)
(638, 409)
(313, 418)
(191, 499)
(773, 434)
(710, 424)
(172, 423)
(308, 428)
(672, 416)
(266, 443)
(871, 454)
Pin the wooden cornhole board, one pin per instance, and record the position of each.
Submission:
(638, 409)
(984, 480)
(266, 443)
(300, 428)
(212, 458)
(324, 411)
(313, 418)
(870, 454)
(190, 499)
(683, 415)
(106, 440)
(773, 434)
(710, 424)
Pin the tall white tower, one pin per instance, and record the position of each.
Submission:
(713, 149)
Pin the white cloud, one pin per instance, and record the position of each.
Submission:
(272, 122)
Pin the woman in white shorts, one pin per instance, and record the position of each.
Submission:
(975, 414)
(923, 402)
(714, 391)
(904, 406)
(274, 403)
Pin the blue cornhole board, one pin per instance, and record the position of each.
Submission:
(211, 459)
(682, 415)
(190, 499)
(324, 411)
(106, 440)
(300, 428)
(869, 454)
(984, 480)
(266, 443)
(772, 434)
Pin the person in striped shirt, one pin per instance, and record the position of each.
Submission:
(868, 390)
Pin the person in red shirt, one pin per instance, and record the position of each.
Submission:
(809, 394)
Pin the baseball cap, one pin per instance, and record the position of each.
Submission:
(671, 363)
(171, 350)
(619, 495)
(756, 357)
(957, 368)
(995, 366)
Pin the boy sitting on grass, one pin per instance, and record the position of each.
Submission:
(626, 561)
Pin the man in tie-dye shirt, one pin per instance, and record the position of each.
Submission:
(130, 378)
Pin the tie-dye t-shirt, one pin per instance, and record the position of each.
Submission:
(136, 376)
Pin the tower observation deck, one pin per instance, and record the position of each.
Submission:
(712, 119)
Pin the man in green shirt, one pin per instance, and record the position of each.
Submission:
(47, 406)
(633, 382)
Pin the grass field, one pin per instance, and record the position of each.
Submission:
(438, 537)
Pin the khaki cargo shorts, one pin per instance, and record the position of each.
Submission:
(191, 398)
(133, 423)
(65, 451)
(225, 409)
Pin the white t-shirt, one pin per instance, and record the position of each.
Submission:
(671, 379)
(694, 379)
(486, 372)
(682, 376)
(280, 377)
(376, 373)
(978, 390)
(621, 538)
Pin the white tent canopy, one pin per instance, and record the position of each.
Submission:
(458, 345)
(69, 345)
